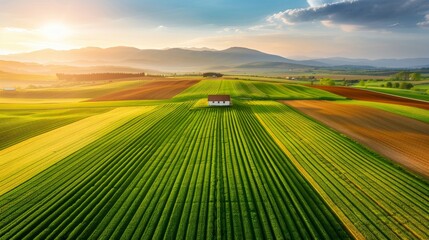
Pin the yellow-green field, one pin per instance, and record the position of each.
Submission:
(22, 161)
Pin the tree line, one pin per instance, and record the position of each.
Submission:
(401, 85)
(97, 76)
(212, 74)
(407, 76)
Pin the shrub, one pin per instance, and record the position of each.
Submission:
(327, 82)
(404, 85)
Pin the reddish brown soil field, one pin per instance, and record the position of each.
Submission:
(359, 94)
(401, 139)
(149, 91)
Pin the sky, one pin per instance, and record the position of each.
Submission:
(292, 28)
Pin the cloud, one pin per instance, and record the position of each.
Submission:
(264, 27)
(161, 27)
(230, 30)
(344, 27)
(315, 3)
(356, 14)
(424, 23)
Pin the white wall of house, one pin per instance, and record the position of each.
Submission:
(219, 103)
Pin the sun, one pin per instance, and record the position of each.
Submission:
(55, 31)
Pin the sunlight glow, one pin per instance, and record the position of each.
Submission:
(55, 31)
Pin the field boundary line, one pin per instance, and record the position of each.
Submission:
(393, 95)
(349, 225)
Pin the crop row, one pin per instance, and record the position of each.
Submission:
(380, 200)
(172, 173)
(24, 160)
(19, 125)
(253, 90)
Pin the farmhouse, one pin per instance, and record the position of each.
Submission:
(219, 100)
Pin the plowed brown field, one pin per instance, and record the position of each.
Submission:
(153, 90)
(359, 94)
(401, 139)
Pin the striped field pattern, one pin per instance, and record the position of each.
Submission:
(173, 172)
(177, 169)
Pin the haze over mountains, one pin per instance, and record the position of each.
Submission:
(199, 59)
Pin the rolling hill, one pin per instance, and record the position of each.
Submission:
(37, 68)
(196, 59)
(379, 63)
(174, 59)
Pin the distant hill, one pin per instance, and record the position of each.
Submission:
(174, 59)
(266, 68)
(196, 59)
(36, 68)
(379, 63)
(273, 65)
(20, 67)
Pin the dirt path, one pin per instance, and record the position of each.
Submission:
(401, 139)
(359, 94)
(153, 90)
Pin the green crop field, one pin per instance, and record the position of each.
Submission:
(19, 124)
(402, 92)
(424, 86)
(378, 198)
(411, 112)
(22, 161)
(246, 90)
(177, 169)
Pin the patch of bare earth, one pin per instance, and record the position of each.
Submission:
(401, 139)
(150, 91)
(359, 94)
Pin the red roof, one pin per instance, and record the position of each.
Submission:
(219, 98)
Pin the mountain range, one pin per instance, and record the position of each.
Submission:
(196, 59)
